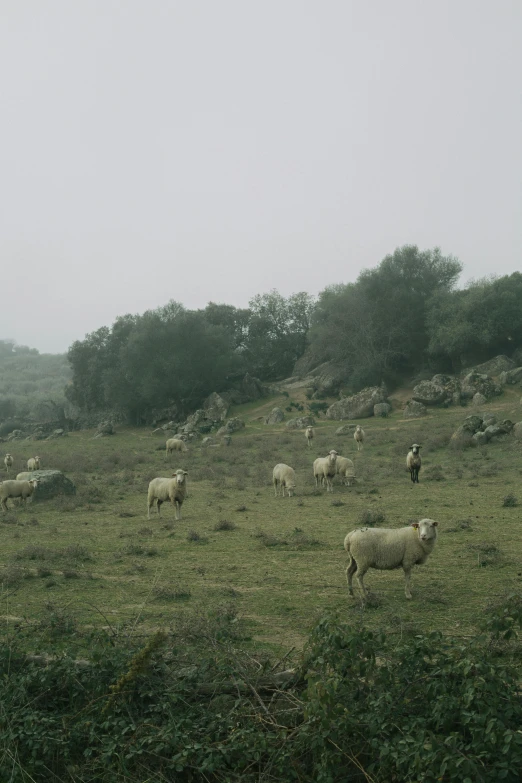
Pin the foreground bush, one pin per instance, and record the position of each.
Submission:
(192, 707)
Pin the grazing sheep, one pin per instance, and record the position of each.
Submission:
(175, 444)
(345, 469)
(324, 470)
(387, 549)
(173, 489)
(33, 463)
(284, 476)
(16, 489)
(359, 436)
(309, 435)
(8, 462)
(413, 462)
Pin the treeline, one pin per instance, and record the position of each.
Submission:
(401, 318)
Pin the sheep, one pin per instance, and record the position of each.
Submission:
(346, 469)
(173, 489)
(359, 436)
(8, 462)
(33, 463)
(16, 489)
(386, 549)
(175, 444)
(324, 470)
(284, 476)
(309, 435)
(414, 462)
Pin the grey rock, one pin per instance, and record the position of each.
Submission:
(275, 416)
(517, 430)
(207, 441)
(480, 438)
(488, 419)
(414, 409)
(429, 393)
(345, 429)
(59, 433)
(300, 423)
(502, 428)
(382, 409)
(479, 399)
(104, 429)
(511, 377)
(476, 382)
(52, 483)
(358, 406)
(215, 407)
(495, 366)
(227, 440)
(15, 435)
(231, 426)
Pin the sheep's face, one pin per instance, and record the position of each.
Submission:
(35, 482)
(427, 529)
(179, 475)
(332, 457)
(415, 448)
(290, 489)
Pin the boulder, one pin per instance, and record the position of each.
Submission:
(495, 366)
(275, 416)
(358, 406)
(467, 429)
(15, 435)
(59, 433)
(227, 440)
(104, 429)
(345, 429)
(414, 409)
(382, 409)
(502, 428)
(480, 438)
(479, 399)
(488, 419)
(300, 423)
(252, 387)
(232, 425)
(476, 382)
(52, 483)
(517, 430)
(511, 377)
(429, 393)
(207, 441)
(215, 407)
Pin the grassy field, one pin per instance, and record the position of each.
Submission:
(95, 560)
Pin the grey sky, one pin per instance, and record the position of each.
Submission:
(205, 150)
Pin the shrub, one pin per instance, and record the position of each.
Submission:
(510, 500)
(371, 517)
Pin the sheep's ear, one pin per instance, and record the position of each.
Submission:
(185, 472)
(415, 525)
(434, 523)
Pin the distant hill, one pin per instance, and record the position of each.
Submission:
(30, 382)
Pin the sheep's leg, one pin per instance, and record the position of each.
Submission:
(177, 506)
(360, 576)
(350, 571)
(275, 488)
(158, 506)
(407, 576)
(4, 504)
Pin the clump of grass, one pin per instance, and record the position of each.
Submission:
(9, 519)
(70, 573)
(194, 537)
(224, 524)
(34, 552)
(137, 550)
(487, 553)
(33, 522)
(301, 540)
(434, 473)
(126, 514)
(241, 508)
(77, 552)
(337, 502)
(462, 524)
(43, 572)
(267, 539)
(171, 594)
(510, 500)
(371, 517)
(145, 531)
(11, 576)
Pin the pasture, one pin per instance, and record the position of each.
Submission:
(94, 560)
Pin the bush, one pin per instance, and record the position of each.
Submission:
(510, 501)
(370, 517)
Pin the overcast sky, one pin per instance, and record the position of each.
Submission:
(210, 150)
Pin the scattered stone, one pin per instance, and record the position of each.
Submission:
(275, 416)
(480, 438)
(476, 382)
(414, 409)
(358, 406)
(511, 377)
(479, 399)
(300, 423)
(232, 425)
(345, 429)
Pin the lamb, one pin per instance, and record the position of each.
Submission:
(16, 489)
(346, 469)
(309, 435)
(359, 436)
(386, 549)
(8, 462)
(413, 462)
(173, 489)
(175, 444)
(324, 470)
(33, 463)
(284, 476)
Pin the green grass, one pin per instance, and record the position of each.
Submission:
(281, 561)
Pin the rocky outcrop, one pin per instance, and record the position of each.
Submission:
(442, 389)
(511, 377)
(215, 407)
(52, 483)
(300, 423)
(231, 426)
(479, 400)
(414, 409)
(104, 429)
(477, 382)
(358, 406)
(494, 366)
(479, 430)
(382, 409)
(276, 416)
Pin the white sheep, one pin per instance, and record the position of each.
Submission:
(345, 469)
(309, 435)
(175, 444)
(8, 462)
(284, 476)
(414, 462)
(324, 470)
(164, 489)
(386, 549)
(16, 489)
(33, 463)
(359, 436)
